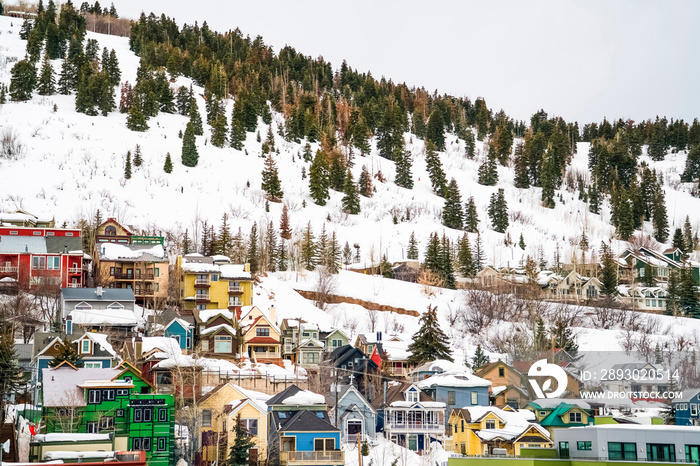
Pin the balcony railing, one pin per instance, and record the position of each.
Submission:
(415, 427)
(235, 289)
(75, 270)
(74, 285)
(144, 276)
(312, 457)
(237, 303)
(8, 269)
(201, 297)
(119, 275)
(201, 282)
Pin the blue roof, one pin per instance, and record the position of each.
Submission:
(90, 294)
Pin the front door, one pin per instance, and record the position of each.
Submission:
(252, 457)
(288, 444)
(354, 430)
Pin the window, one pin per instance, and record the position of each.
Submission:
(177, 338)
(265, 332)
(162, 443)
(587, 445)
(85, 346)
(206, 418)
(692, 453)
(201, 307)
(214, 277)
(622, 451)
(205, 345)
(501, 372)
(251, 425)
(146, 443)
(222, 344)
(138, 415)
(564, 450)
(106, 423)
(39, 262)
(450, 397)
(574, 417)
(111, 271)
(412, 395)
(53, 263)
(188, 343)
(93, 396)
(543, 413)
(693, 409)
(324, 444)
(120, 413)
(156, 272)
(336, 343)
(490, 423)
(162, 414)
(661, 452)
(91, 427)
(475, 398)
(92, 364)
(128, 379)
(110, 230)
(310, 358)
(136, 444)
(147, 414)
(108, 395)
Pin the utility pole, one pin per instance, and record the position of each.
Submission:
(359, 452)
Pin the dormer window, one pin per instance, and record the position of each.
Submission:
(412, 395)
(83, 306)
(85, 346)
(115, 305)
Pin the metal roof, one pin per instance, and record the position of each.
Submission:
(57, 244)
(90, 294)
(23, 244)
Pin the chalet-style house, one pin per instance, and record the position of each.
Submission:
(99, 309)
(214, 283)
(506, 384)
(261, 337)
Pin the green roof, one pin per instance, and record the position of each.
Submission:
(554, 418)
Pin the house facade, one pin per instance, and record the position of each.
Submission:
(261, 335)
(454, 389)
(217, 333)
(687, 408)
(42, 259)
(506, 384)
(356, 418)
(214, 283)
(182, 331)
(555, 413)
(98, 309)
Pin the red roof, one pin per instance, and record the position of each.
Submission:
(268, 340)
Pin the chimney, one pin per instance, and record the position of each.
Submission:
(65, 249)
(98, 291)
(379, 336)
(138, 347)
(272, 314)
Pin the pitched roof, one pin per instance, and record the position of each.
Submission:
(59, 244)
(61, 384)
(90, 294)
(396, 393)
(460, 379)
(305, 421)
(283, 395)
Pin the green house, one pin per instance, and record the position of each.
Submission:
(115, 400)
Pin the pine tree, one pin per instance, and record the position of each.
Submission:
(446, 268)
(432, 255)
(136, 120)
(126, 98)
(687, 298)
(47, 80)
(347, 253)
(673, 291)
(351, 199)
(430, 342)
(540, 336)
(238, 135)
(219, 130)
(488, 172)
(168, 167)
(138, 159)
(319, 180)
(660, 219)
(271, 248)
(412, 252)
(365, 182)
(195, 118)
(285, 229)
(270, 180)
(403, 164)
(609, 272)
(464, 257)
(10, 372)
(67, 352)
(190, 156)
(308, 249)
(478, 253)
(471, 217)
(182, 100)
(333, 254)
(3, 94)
(23, 80)
(435, 171)
(337, 171)
(688, 237)
(225, 243)
(242, 443)
(469, 144)
(252, 254)
(563, 338)
(480, 358)
(186, 243)
(127, 166)
(593, 197)
(452, 216)
(282, 257)
(498, 211)
(521, 166)
(435, 131)
(548, 177)
(678, 240)
(521, 242)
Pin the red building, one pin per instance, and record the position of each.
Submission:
(42, 258)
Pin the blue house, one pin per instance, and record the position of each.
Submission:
(300, 432)
(456, 389)
(687, 408)
(95, 350)
(355, 417)
(182, 331)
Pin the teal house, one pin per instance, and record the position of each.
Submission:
(182, 331)
(300, 432)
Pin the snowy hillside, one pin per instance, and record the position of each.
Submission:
(73, 164)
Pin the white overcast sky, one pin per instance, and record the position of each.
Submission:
(579, 59)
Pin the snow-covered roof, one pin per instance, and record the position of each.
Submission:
(30, 244)
(496, 390)
(551, 403)
(72, 437)
(106, 384)
(424, 404)
(229, 271)
(305, 397)
(116, 317)
(90, 294)
(61, 386)
(102, 340)
(206, 314)
(168, 345)
(216, 328)
(114, 251)
(77, 455)
(453, 379)
(439, 366)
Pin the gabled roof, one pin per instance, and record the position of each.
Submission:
(492, 365)
(283, 395)
(687, 395)
(182, 322)
(351, 388)
(337, 330)
(114, 221)
(218, 329)
(460, 379)
(306, 421)
(396, 393)
(90, 294)
(259, 321)
(61, 385)
(554, 418)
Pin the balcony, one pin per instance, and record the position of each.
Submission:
(235, 289)
(236, 303)
(123, 275)
(199, 282)
(8, 269)
(144, 276)
(201, 297)
(418, 427)
(312, 457)
(74, 285)
(75, 270)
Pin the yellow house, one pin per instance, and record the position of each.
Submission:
(556, 413)
(219, 410)
(261, 335)
(478, 430)
(214, 283)
(506, 384)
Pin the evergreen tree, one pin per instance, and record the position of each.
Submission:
(3, 94)
(308, 249)
(488, 172)
(360, 137)
(23, 80)
(412, 252)
(464, 257)
(127, 166)
(478, 253)
(112, 68)
(319, 180)
(168, 167)
(452, 216)
(136, 120)
(471, 217)
(219, 130)
(480, 358)
(337, 172)
(225, 243)
(563, 338)
(365, 182)
(182, 100)
(498, 211)
(593, 197)
(673, 291)
(660, 219)
(252, 255)
(47, 80)
(432, 255)
(138, 158)
(446, 268)
(435, 171)
(333, 254)
(10, 372)
(238, 135)
(67, 352)
(521, 243)
(282, 256)
(692, 165)
(540, 337)
(521, 166)
(608, 277)
(688, 237)
(285, 229)
(351, 200)
(403, 169)
(435, 131)
(430, 342)
(190, 156)
(196, 118)
(242, 443)
(678, 240)
(270, 180)
(271, 248)
(469, 144)
(687, 299)
(549, 177)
